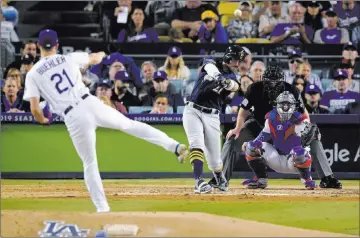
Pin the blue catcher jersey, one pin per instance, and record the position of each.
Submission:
(207, 92)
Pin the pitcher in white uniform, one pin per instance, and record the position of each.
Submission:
(57, 79)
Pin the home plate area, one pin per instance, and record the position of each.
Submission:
(156, 224)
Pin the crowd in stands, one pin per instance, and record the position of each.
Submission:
(289, 22)
(158, 89)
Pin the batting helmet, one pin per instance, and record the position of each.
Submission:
(234, 52)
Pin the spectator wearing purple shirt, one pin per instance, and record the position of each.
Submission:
(348, 12)
(338, 99)
(331, 34)
(293, 32)
(10, 100)
(136, 31)
(211, 31)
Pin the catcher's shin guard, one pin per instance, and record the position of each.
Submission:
(254, 158)
(302, 161)
(197, 159)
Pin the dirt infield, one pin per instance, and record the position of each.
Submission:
(115, 191)
(158, 224)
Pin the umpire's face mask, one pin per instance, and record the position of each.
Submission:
(273, 88)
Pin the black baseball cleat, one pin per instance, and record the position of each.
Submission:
(330, 182)
(213, 183)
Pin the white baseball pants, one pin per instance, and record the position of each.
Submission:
(203, 132)
(278, 163)
(82, 122)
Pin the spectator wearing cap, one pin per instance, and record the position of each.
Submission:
(29, 48)
(331, 34)
(354, 85)
(294, 31)
(188, 18)
(256, 71)
(11, 101)
(161, 85)
(294, 59)
(305, 69)
(116, 62)
(122, 90)
(211, 31)
(264, 8)
(174, 65)
(271, 18)
(350, 53)
(339, 98)
(242, 26)
(314, 16)
(104, 93)
(136, 30)
(348, 12)
(27, 62)
(161, 105)
(312, 100)
(160, 14)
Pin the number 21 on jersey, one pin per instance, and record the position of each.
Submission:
(60, 85)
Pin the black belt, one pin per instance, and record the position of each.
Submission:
(203, 109)
(67, 110)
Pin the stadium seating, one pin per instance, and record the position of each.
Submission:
(326, 83)
(226, 11)
(178, 85)
(180, 109)
(253, 41)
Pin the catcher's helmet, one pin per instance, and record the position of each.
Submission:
(234, 52)
(273, 73)
(285, 105)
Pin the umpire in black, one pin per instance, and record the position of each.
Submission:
(261, 96)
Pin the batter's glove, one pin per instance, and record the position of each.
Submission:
(223, 82)
(311, 132)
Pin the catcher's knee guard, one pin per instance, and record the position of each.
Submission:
(253, 150)
(254, 158)
(196, 154)
(302, 161)
(301, 157)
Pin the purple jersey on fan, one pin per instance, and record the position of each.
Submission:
(281, 28)
(336, 100)
(285, 135)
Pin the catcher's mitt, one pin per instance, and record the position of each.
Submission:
(311, 132)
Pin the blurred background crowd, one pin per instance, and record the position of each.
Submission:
(161, 85)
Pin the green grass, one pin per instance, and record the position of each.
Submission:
(49, 149)
(176, 181)
(339, 217)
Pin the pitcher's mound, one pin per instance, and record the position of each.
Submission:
(160, 224)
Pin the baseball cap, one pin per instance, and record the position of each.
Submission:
(331, 13)
(312, 88)
(244, 4)
(113, 58)
(27, 59)
(340, 73)
(208, 14)
(350, 46)
(48, 38)
(123, 76)
(314, 4)
(174, 52)
(105, 82)
(160, 75)
(294, 53)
